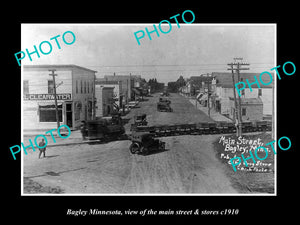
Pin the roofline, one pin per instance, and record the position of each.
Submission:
(58, 66)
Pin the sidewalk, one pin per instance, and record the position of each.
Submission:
(213, 114)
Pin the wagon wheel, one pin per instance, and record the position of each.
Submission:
(134, 147)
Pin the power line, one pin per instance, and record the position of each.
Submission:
(238, 114)
(156, 65)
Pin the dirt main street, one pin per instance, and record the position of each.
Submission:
(188, 165)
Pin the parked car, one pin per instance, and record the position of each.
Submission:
(132, 104)
(126, 110)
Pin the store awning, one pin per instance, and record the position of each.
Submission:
(199, 96)
(203, 97)
(48, 103)
(136, 91)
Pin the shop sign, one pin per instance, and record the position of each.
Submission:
(66, 96)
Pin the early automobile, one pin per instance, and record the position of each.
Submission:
(164, 107)
(138, 121)
(143, 143)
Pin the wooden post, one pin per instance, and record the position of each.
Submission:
(55, 97)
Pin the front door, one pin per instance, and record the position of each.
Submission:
(69, 113)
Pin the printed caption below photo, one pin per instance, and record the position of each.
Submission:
(151, 212)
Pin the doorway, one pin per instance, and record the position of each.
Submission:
(69, 115)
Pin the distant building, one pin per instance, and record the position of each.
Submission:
(117, 90)
(199, 84)
(196, 85)
(127, 84)
(104, 100)
(75, 93)
(222, 91)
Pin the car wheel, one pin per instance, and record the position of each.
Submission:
(134, 147)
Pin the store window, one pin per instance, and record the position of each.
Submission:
(243, 111)
(259, 92)
(77, 110)
(48, 113)
(243, 92)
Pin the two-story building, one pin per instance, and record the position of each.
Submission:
(127, 83)
(222, 88)
(104, 100)
(117, 89)
(75, 87)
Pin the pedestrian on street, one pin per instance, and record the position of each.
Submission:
(83, 129)
(42, 150)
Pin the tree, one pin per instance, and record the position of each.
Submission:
(154, 85)
(181, 82)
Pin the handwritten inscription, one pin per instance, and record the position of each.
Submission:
(235, 147)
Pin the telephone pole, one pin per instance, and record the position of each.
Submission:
(55, 97)
(238, 130)
(238, 110)
(208, 95)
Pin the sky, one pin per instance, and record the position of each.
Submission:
(191, 50)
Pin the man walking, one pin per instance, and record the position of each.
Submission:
(42, 150)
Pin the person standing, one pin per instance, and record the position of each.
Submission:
(84, 130)
(42, 150)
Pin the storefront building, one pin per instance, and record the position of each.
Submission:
(251, 109)
(75, 88)
(117, 90)
(104, 101)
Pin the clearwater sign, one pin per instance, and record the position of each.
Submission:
(47, 97)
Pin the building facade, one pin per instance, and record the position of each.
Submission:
(251, 109)
(104, 100)
(75, 88)
(117, 90)
(127, 84)
(222, 89)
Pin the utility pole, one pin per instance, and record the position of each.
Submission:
(128, 84)
(208, 97)
(238, 131)
(55, 97)
(93, 98)
(238, 110)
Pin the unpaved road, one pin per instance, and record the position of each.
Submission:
(188, 165)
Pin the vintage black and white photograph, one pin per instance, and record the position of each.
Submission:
(148, 109)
